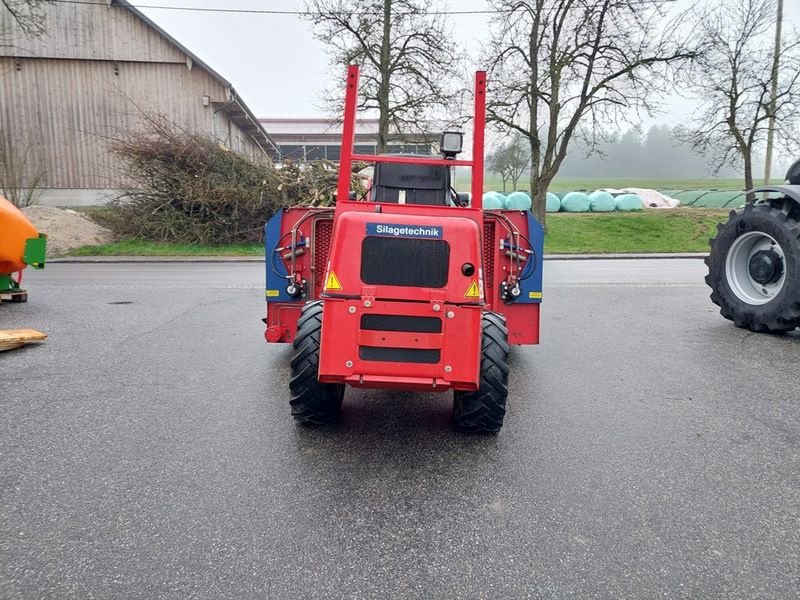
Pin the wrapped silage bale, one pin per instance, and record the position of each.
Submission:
(600, 201)
(518, 201)
(553, 203)
(628, 202)
(575, 202)
(492, 201)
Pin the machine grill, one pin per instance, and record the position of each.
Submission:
(408, 262)
(322, 235)
(488, 252)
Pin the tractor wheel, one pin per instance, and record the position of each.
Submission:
(312, 402)
(754, 267)
(21, 297)
(482, 411)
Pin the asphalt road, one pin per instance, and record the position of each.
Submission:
(651, 450)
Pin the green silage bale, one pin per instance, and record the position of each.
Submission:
(518, 201)
(600, 201)
(553, 202)
(575, 202)
(628, 202)
(492, 201)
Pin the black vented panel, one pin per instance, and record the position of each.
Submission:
(322, 237)
(405, 323)
(407, 262)
(488, 252)
(407, 355)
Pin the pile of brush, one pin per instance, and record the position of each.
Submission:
(182, 187)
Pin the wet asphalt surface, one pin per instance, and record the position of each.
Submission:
(651, 450)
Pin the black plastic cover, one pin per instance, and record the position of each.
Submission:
(404, 323)
(409, 262)
(408, 355)
(421, 184)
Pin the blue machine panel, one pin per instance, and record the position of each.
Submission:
(531, 277)
(276, 270)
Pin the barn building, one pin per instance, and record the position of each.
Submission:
(90, 78)
(319, 138)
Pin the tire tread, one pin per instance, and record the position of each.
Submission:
(483, 410)
(311, 402)
(771, 317)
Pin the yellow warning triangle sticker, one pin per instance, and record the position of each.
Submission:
(332, 282)
(473, 291)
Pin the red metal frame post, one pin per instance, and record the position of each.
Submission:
(478, 139)
(348, 134)
(348, 140)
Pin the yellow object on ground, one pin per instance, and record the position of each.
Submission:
(15, 230)
(14, 338)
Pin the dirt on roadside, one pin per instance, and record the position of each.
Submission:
(66, 229)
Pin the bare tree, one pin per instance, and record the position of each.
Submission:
(405, 55)
(22, 173)
(28, 14)
(496, 162)
(733, 78)
(776, 63)
(561, 69)
(510, 160)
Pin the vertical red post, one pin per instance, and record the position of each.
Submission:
(479, 121)
(348, 134)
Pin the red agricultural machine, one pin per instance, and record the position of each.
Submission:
(409, 287)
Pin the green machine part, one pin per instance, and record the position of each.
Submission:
(34, 256)
(7, 284)
(35, 250)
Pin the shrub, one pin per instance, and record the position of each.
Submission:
(187, 188)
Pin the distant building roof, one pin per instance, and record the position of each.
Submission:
(322, 130)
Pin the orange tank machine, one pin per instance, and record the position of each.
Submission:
(21, 245)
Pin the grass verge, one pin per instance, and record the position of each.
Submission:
(142, 248)
(676, 230)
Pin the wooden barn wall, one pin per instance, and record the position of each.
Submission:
(64, 111)
(95, 32)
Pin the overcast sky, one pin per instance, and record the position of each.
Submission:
(278, 67)
(273, 61)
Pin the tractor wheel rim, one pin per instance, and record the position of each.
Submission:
(737, 268)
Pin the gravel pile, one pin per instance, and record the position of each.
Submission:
(66, 229)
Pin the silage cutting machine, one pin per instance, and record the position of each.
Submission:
(21, 246)
(409, 287)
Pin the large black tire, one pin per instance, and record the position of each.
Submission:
(761, 293)
(482, 411)
(312, 402)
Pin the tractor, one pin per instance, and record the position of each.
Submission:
(754, 263)
(409, 286)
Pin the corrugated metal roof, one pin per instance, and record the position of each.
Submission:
(305, 126)
(322, 128)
